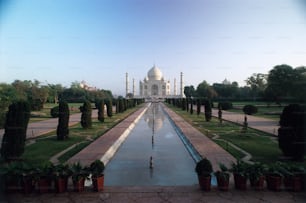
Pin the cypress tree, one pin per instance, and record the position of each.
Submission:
(191, 106)
(198, 107)
(208, 113)
(109, 108)
(101, 111)
(86, 115)
(62, 130)
(14, 137)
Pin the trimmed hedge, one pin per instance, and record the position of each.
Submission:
(225, 105)
(250, 109)
(54, 112)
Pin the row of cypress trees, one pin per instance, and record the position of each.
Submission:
(186, 104)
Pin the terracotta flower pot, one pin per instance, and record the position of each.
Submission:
(79, 185)
(223, 182)
(98, 183)
(44, 185)
(12, 186)
(27, 185)
(274, 182)
(258, 184)
(240, 182)
(61, 184)
(293, 183)
(205, 182)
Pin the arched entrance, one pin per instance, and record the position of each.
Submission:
(154, 90)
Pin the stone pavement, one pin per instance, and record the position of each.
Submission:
(157, 194)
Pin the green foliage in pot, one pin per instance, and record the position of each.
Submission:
(256, 171)
(96, 168)
(79, 172)
(240, 168)
(61, 171)
(223, 173)
(204, 167)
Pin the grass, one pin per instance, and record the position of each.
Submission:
(44, 149)
(47, 145)
(73, 151)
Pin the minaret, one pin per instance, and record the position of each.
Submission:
(133, 87)
(126, 84)
(174, 89)
(181, 84)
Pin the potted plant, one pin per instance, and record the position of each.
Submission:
(274, 176)
(43, 177)
(257, 175)
(79, 174)
(11, 173)
(293, 177)
(61, 173)
(204, 169)
(223, 177)
(27, 173)
(96, 169)
(240, 172)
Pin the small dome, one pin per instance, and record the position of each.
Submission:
(155, 73)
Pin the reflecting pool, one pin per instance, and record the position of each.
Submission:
(152, 154)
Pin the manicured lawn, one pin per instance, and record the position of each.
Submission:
(44, 149)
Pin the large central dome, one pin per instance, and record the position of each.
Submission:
(155, 73)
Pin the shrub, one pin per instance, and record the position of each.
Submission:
(100, 107)
(225, 105)
(292, 132)
(208, 113)
(14, 137)
(86, 115)
(249, 109)
(62, 130)
(109, 108)
(54, 112)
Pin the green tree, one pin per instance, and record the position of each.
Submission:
(109, 108)
(292, 131)
(208, 112)
(101, 111)
(257, 83)
(280, 81)
(189, 91)
(205, 90)
(62, 130)
(86, 115)
(7, 96)
(14, 137)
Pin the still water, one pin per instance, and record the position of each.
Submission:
(152, 154)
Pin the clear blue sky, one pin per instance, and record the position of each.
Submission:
(62, 41)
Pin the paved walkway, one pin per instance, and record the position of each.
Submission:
(179, 194)
(259, 123)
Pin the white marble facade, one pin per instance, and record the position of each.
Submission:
(154, 85)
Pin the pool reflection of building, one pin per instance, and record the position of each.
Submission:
(154, 117)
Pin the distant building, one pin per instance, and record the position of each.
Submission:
(85, 86)
(155, 86)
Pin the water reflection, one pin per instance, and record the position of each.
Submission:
(152, 154)
(154, 117)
